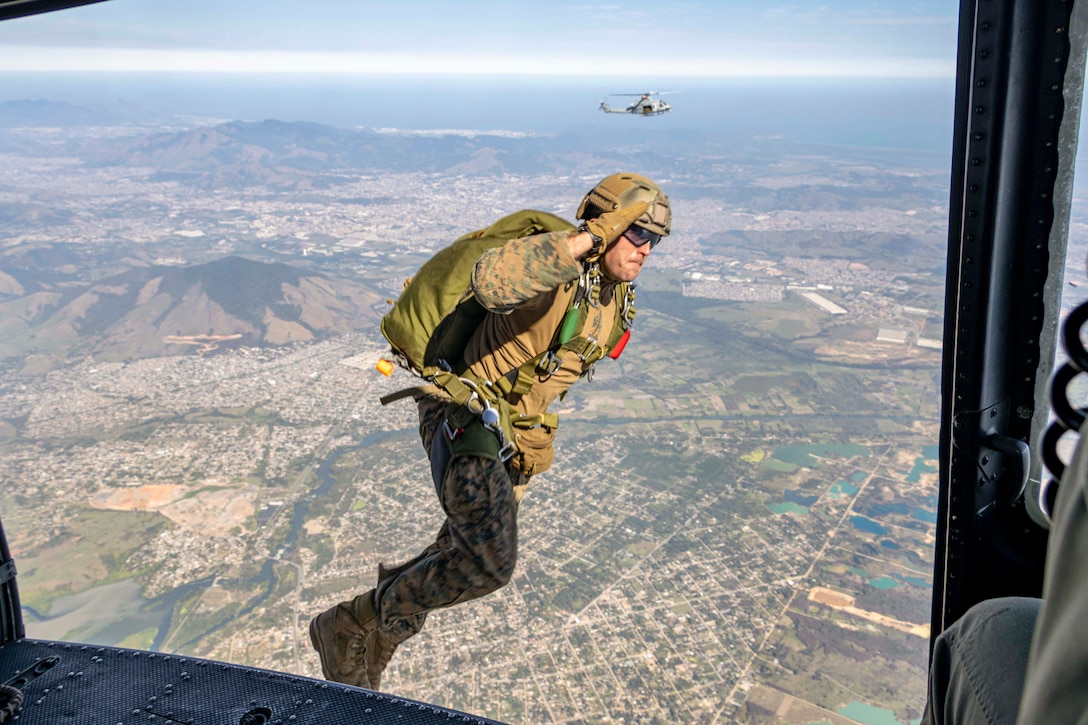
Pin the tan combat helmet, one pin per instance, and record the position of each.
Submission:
(621, 190)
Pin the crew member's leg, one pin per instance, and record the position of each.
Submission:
(978, 666)
(473, 555)
(340, 634)
(1056, 688)
(479, 557)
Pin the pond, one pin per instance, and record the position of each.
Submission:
(788, 507)
(883, 583)
(920, 467)
(869, 715)
(108, 614)
(802, 454)
(799, 498)
(867, 525)
(930, 517)
(839, 489)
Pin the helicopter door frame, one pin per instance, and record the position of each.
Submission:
(21, 8)
(11, 614)
(1018, 95)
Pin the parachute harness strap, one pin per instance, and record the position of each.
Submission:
(589, 285)
(627, 308)
(482, 401)
(586, 295)
(520, 380)
(487, 400)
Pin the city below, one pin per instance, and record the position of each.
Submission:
(739, 526)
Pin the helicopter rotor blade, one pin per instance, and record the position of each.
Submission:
(647, 94)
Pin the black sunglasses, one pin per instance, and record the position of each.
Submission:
(639, 236)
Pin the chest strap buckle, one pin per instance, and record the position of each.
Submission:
(549, 364)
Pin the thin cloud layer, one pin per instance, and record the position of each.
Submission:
(840, 38)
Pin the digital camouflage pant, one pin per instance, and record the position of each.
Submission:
(476, 549)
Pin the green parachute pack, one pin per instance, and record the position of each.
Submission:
(431, 322)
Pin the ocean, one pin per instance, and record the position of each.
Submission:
(907, 114)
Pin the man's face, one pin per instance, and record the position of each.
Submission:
(622, 260)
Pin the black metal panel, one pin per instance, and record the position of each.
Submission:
(65, 683)
(11, 614)
(1012, 59)
(71, 684)
(21, 8)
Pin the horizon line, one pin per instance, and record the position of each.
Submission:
(38, 59)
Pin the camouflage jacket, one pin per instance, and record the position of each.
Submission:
(527, 285)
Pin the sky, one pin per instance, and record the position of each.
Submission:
(629, 39)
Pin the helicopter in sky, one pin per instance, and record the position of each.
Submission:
(646, 105)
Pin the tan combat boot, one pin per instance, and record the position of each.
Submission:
(340, 639)
(379, 648)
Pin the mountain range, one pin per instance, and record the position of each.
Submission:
(281, 154)
(158, 310)
(294, 155)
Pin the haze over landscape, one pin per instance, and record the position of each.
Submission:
(740, 523)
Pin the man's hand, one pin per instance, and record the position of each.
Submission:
(611, 225)
(607, 227)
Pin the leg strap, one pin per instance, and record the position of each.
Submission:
(460, 434)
